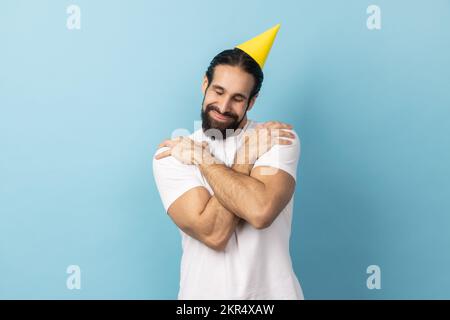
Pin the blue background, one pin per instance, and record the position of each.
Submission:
(81, 113)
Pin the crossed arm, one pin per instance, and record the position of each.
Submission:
(203, 217)
(240, 193)
(252, 196)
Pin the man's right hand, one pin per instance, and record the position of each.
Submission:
(259, 140)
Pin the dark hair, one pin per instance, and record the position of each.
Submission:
(237, 57)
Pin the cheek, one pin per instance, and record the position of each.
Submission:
(239, 108)
(209, 98)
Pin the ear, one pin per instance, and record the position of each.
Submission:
(252, 102)
(204, 84)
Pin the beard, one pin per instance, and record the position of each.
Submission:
(219, 129)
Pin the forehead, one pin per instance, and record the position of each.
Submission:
(233, 79)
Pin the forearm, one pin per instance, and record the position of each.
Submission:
(216, 224)
(236, 190)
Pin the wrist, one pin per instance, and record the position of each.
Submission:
(205, 158)
(242, 168)
(245, 156)
(243, 163)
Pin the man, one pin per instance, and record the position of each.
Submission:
(229, 187)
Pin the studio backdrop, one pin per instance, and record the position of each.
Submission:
(88, 89)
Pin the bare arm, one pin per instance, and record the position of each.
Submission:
(203, 217)
(258, 198)
(212, 219)
(257, 195)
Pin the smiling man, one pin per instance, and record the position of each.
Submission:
(229, 187)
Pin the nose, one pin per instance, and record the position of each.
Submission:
(224, 104)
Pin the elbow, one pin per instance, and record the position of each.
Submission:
(216, 243)
(263, 220)
(219, 246)
(261, 223)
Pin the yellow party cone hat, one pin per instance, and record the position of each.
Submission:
(259, 47)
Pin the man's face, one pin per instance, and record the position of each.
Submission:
(225, 100)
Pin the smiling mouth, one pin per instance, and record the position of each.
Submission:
(219, 116)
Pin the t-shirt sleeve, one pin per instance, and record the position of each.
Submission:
(173, 178)
(284, 157)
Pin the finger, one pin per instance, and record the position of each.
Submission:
(261, 125)
(165, 143)
(283, 141)
(268, 124)
(280, 125)
(285, 133)
(163, 154)
(280, 133)
(261, 132)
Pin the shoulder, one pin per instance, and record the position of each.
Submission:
(293, 149)
(285, 157)
(296, 143)
(287, 152)
(170, 164)
(165, 164)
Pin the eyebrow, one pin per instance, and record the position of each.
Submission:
(217, 87)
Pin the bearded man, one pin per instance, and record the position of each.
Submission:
(229, 187)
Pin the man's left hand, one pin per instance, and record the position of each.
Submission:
(185, 150)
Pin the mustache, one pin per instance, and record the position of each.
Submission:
(212, 107)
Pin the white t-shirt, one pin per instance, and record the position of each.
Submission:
(255, 264)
